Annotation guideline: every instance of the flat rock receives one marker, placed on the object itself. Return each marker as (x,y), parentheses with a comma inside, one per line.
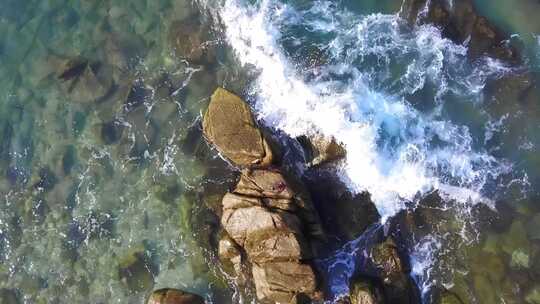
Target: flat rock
(229,125)
(284,282)
(264,183)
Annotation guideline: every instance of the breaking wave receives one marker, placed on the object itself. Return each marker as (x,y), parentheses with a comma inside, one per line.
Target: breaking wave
(377,87)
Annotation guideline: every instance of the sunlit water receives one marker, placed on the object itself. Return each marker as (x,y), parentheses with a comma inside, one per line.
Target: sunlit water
(104,201)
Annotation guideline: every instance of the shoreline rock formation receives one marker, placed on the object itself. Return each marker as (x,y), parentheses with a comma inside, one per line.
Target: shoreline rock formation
(268,224)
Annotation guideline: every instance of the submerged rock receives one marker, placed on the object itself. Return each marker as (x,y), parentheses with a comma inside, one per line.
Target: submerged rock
(449,298)
(85,81)
(174,296)
(8,296)
(190,40)
(533,296)
(461,23)
(229,125)
(137,271)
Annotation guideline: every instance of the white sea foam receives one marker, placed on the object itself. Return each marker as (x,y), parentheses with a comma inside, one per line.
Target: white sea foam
(390,145)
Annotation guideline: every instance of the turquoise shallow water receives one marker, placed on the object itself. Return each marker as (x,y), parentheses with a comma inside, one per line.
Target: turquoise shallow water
(105,176)
(98,197)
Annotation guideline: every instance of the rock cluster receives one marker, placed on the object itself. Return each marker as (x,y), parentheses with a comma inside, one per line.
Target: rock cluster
(390,281)
(268,224)
(461,23)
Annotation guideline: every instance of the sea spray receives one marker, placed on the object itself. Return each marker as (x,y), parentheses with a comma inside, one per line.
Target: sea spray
(381,92)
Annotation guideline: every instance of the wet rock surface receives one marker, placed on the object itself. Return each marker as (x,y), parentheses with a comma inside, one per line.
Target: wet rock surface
(268,223)
(261,217)
(461,23)
(174,296)
(365,291)
(344,215)
(190,40)
(320,149)
(229,125)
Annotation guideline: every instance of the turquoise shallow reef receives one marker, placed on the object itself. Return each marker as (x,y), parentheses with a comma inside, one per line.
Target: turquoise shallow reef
(107,186)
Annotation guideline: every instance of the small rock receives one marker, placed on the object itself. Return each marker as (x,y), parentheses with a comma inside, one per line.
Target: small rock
(386,257)
(174,296)
(533,296)
(137,271)
(8,296)
(398,286)
(364,291)
(229,125)
(320,149)
(111,132)
(228,249)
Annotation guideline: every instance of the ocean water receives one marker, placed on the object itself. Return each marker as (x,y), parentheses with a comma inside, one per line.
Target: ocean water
(106,181)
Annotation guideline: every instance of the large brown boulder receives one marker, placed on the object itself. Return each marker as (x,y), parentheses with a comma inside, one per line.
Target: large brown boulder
(174,296)
(85,81)
(229,125)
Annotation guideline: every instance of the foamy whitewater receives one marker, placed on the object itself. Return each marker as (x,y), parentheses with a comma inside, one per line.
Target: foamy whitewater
(393,150)
(364,92)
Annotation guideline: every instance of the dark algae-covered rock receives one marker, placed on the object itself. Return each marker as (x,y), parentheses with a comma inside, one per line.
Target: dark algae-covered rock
(393,271)
(461,23)
(85,81)
(174,296)
(229,125)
